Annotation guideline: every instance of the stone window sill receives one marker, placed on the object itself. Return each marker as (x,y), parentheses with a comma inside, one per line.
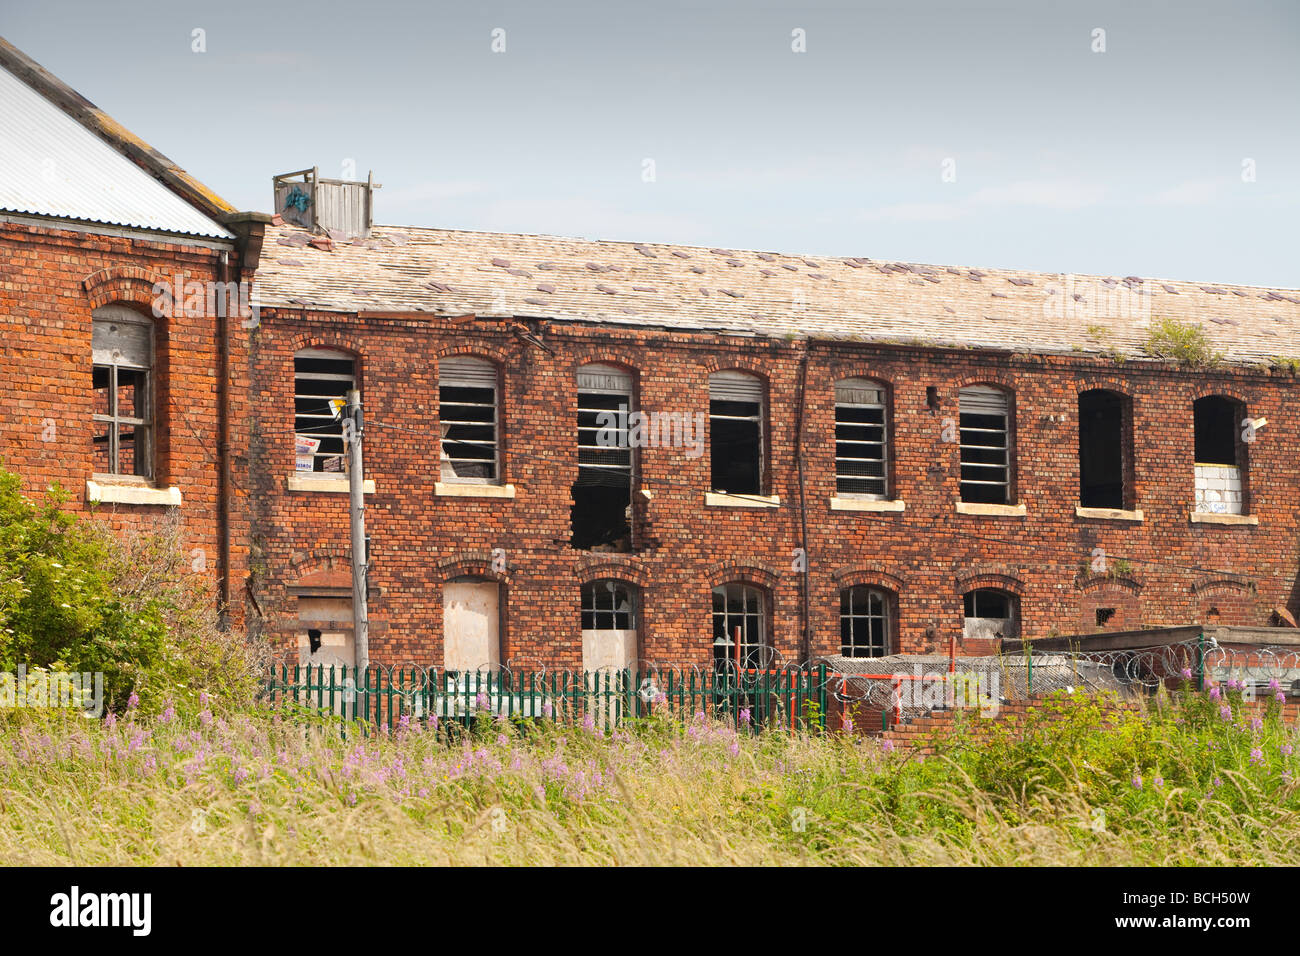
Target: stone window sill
(1210,517)
(1109,514)
(991,511)
(132,494)
(454,489)
(865,504)
(333,484)
(715,499)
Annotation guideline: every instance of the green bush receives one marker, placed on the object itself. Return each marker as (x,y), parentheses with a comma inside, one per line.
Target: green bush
(1185,342)
(74,597)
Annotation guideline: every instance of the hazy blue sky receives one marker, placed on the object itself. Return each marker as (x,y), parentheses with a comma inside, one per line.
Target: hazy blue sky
(1123,162)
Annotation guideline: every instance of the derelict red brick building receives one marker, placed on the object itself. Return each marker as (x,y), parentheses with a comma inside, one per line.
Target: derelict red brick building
(894,456)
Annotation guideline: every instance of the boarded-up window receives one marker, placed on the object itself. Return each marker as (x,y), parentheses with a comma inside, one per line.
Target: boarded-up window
(608,626)
(325,633)
(991,613)
(861,447)
(322,379)
(736,415)
(985,445)
(1220,463)
(471,625)
(122,353)
(468,415)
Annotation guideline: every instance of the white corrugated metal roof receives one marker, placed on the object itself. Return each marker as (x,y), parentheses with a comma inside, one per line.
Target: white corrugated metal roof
(51,165)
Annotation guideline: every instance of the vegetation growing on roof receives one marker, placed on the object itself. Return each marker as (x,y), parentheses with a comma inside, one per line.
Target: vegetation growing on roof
(1184,342)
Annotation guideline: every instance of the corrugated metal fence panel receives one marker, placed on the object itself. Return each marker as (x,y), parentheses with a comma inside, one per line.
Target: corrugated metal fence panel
(51,165)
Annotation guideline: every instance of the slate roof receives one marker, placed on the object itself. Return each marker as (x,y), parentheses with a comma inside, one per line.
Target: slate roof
(450,272)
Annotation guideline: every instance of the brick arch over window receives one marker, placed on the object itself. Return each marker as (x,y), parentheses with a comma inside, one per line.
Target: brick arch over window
(471,564)
(488,353)
(595,355)
(318,339)
(324,567)
(1101,582)
(617,566)
(1089,381)
(1219,390)
(838,371)
(735,363)
(728,572)
(852,575)
(995,577)
(1209,584)
(126,284)
(990,377)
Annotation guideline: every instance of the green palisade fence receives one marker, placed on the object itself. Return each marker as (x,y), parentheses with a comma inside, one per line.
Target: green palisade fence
(787,699)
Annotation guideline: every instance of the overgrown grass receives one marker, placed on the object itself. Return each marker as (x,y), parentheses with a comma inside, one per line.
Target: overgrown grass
(1182,783)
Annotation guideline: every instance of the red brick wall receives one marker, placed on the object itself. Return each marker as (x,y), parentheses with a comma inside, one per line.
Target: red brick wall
(50,281)
(929,554)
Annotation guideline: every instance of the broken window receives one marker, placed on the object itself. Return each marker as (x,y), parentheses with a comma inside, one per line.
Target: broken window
(608,605)
(736,432)
(861,450)
(1103,449)
(739,625)
(322,379)
(468,414)
(985,445)
(864,622)
(122,354)
(600,516)
(1220,455)
(990,613)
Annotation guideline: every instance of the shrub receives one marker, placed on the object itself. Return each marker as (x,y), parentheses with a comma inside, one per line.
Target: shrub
(1185,342)
(75,598)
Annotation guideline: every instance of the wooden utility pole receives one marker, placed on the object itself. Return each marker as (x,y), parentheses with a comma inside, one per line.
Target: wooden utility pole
(352,427)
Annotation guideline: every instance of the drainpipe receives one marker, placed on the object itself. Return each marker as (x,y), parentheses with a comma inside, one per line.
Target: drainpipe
(223,449)
(806,640)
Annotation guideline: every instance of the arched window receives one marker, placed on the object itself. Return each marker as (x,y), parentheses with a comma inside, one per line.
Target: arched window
(736,416)
(739,625)
(1105,449)
(122,346)
(861,439)
(469,412)
(991,613)
(986,457)
(864,622)
(1220,455)
(322,379)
